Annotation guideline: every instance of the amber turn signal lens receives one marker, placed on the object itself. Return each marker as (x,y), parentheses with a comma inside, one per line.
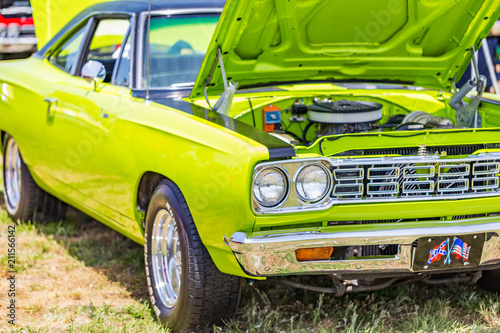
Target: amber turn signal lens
(318,253)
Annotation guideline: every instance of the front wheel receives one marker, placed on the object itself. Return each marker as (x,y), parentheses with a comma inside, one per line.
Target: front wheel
(187,290)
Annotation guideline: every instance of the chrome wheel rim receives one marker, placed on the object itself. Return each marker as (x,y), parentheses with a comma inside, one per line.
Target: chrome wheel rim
(12,176)
(166,258)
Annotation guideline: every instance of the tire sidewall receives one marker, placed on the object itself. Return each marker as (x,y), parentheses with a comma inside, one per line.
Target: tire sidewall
(164,198)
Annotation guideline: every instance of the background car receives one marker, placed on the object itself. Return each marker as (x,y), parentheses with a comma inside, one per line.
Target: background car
(17,31)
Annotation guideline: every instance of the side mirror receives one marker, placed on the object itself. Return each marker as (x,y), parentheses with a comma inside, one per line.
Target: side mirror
(95,71)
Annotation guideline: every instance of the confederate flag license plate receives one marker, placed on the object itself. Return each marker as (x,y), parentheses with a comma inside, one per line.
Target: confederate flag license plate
(446,252)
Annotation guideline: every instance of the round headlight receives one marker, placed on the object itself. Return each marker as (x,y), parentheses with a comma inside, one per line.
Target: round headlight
(312,183)
(270,187)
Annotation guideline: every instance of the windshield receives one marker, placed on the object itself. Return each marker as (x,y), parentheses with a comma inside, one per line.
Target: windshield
(177,48)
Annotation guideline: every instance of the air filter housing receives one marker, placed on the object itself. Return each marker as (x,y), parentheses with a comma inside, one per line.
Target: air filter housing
(344,112)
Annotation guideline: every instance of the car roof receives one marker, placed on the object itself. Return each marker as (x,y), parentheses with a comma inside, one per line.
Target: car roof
(130,7)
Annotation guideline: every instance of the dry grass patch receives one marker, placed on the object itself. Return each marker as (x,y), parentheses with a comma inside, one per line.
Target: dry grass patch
(60,288)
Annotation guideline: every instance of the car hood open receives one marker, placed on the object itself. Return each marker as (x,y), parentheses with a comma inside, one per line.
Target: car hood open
(424,43)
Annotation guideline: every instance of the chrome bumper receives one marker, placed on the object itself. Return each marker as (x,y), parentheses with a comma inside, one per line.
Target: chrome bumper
(273,253)
(17,45)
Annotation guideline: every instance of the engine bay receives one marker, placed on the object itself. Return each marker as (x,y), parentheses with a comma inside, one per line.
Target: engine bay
(302,120)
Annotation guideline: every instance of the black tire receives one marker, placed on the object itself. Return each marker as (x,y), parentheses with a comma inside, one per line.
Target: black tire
(206,296)
(34,203)
(490,281)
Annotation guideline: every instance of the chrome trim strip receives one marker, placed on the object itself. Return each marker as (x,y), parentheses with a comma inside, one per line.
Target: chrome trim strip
(390,173)
(442,183)
(406,159)
(359,190)
(373,237)
(424,198)
(430,183)
(348,201)
(186,11)
(393,188)
(338,177)
(496,169)
(431,168)
(486,186)
(465,172)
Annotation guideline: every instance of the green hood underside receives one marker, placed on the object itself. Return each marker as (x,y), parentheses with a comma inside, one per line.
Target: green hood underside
(424,43)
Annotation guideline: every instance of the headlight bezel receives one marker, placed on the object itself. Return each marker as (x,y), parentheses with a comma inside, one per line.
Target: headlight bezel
(292,202)
(258,171)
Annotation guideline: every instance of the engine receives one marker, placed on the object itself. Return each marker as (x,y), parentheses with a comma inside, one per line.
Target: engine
(325,117)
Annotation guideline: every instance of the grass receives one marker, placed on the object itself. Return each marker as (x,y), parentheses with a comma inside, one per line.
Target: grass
(80,276)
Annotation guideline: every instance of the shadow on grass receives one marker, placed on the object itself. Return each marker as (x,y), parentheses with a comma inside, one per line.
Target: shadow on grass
(118,258)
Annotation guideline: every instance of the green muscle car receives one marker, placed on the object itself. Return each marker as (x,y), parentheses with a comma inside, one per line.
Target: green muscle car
(255,139)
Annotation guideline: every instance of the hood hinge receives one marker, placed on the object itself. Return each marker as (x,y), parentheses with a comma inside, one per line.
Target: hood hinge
(467,114)
(223,105)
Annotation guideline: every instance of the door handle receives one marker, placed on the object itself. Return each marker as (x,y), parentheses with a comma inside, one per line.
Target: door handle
(50,101)
(104,114)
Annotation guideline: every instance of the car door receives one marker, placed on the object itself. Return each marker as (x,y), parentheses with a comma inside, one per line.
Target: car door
(79,133)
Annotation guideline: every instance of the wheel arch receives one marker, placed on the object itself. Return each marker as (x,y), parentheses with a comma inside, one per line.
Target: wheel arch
(147,184)
(2,138)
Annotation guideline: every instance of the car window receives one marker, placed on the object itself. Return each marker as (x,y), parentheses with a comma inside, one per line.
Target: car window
(106,43)
(65,57)
(123,71)
(177,48)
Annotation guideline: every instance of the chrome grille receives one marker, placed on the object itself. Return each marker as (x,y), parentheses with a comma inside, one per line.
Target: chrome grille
(390,179)
(415,178)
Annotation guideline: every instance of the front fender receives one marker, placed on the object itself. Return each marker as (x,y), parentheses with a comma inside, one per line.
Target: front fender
(211,165)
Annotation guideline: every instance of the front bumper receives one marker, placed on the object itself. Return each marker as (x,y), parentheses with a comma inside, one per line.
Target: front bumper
(273,253)
(18,44)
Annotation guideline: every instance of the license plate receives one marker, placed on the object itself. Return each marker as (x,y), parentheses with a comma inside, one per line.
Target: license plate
(448,252)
